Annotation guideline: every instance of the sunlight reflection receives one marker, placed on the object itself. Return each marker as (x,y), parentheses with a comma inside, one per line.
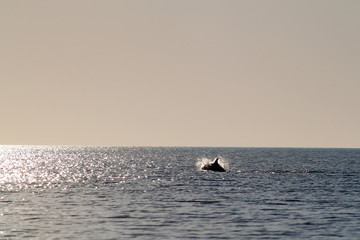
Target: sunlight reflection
(44,167)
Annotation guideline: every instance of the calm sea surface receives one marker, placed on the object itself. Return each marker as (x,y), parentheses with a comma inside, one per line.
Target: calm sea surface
(159,193)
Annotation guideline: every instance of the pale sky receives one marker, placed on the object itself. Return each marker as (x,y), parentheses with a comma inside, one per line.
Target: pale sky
(279,73)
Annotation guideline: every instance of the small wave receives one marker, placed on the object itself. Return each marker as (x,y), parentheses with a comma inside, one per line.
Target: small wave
(120,216)
(197,201)
(278,171)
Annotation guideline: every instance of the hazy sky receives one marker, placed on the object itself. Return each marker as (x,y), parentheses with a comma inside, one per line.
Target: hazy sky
(280,73)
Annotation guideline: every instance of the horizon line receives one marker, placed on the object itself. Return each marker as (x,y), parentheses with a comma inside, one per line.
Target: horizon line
(166,146)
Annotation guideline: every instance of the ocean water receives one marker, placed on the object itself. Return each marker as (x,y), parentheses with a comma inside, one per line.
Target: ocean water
(160,193)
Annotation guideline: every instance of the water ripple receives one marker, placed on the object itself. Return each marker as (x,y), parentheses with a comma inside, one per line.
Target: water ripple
(158,193)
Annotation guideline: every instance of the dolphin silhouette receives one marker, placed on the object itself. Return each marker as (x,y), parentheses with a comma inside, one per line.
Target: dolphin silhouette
(214,166)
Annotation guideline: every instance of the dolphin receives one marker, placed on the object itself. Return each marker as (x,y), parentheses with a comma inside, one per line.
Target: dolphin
(214,166)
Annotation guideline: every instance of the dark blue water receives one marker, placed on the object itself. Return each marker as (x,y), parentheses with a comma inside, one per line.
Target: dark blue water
(159,193)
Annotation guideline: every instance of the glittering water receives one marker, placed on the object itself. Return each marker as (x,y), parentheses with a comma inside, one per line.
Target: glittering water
(159,193)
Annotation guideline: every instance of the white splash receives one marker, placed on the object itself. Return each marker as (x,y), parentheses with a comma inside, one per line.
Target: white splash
(201,162)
